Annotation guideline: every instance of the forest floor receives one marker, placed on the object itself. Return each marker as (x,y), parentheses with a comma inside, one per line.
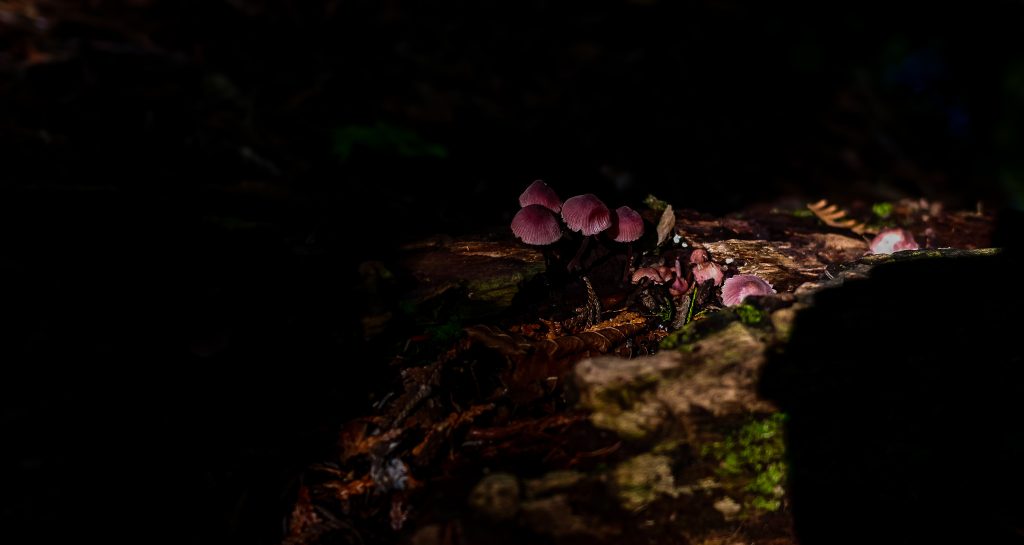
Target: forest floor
(226,206)
(533,405)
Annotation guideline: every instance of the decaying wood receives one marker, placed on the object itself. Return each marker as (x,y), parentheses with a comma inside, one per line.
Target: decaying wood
(780,263)
(489,271)
(568,389)
(716,376)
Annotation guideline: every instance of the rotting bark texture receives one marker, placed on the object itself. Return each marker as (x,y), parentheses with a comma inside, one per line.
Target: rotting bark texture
(542,426)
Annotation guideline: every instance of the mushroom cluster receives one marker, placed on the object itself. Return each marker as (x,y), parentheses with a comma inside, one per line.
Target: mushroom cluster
(702,270)
(536,222)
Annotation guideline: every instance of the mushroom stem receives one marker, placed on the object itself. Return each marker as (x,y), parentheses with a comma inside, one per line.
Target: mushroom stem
(627,275)
(552,262)
(554,275)
(574,265)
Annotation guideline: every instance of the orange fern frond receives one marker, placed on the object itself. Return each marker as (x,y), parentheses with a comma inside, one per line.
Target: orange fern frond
(834,216)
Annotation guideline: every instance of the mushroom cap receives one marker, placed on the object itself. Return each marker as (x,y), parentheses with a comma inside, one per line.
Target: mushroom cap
(702,272)
(741,286)
(586,214)
(657,275)
(628,226)
(647,272)
(698,255)
(540,193)
(536,225)
(893,240)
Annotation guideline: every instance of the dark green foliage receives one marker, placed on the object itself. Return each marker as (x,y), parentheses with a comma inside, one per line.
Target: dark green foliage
(446,332)
(384,139)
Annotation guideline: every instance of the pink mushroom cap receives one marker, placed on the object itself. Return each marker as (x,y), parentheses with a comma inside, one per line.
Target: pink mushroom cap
(741,286)
(536,225)
(702,272)
(699,255)
(628,225)
(586,214)
(658,275)
(893,240)
(650,273)
(540,193)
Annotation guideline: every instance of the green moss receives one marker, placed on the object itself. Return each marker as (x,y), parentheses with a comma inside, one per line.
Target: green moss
(764,504)
(654,203)
(749,315)
(882,209)
(803,213)
(708,324)
(751,462)
(501,289)
(946,253)
(681,339)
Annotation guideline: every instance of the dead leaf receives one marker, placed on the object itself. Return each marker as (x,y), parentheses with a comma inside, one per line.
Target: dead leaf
(665,224)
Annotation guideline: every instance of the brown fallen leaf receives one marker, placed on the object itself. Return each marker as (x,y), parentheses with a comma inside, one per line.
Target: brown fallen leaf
(665,224)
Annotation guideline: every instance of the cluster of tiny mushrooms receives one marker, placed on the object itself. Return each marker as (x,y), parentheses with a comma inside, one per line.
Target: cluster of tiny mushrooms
(537,224)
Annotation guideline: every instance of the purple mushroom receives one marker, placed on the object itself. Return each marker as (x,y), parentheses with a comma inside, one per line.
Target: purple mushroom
(540,193)
(536,225)
(627,227)
(698,255)
(585,214)
(741,286)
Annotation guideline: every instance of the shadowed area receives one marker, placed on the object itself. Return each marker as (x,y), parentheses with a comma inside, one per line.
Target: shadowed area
(903,395)
(203,203)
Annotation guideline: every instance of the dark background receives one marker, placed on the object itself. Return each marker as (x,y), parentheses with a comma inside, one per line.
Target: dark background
(189,188)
